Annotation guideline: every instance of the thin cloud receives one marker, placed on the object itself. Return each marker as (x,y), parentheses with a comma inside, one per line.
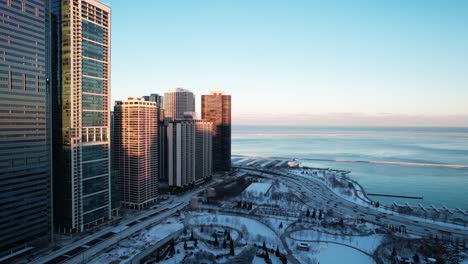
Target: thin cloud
(350,119)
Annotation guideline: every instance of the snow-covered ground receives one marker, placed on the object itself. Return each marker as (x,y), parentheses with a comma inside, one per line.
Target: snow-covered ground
(253,230)
(325,253)
(274,223)
(177,258)
(129,248)
(207,233)
(258,188)
(260,260)
(329,178)
(366,243)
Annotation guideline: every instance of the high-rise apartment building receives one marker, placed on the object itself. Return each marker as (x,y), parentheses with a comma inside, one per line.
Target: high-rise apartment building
(216,107)
(162,139)
(181,153)
(25,154)
(114,183)
(81,82)
(203,150)
(136,151)
(177,102)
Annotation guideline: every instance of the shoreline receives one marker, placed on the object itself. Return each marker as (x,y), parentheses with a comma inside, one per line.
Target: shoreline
(387,200)
(382,162)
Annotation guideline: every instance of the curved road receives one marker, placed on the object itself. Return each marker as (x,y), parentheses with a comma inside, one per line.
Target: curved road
(316,194)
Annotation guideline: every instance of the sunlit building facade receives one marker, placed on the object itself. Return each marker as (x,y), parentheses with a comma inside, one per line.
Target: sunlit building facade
(136,151)
(177,102)
(216,107)
(203,150)
(81,67)
(25,153)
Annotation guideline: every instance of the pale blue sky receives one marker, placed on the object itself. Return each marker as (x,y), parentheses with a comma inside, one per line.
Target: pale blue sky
(298,57)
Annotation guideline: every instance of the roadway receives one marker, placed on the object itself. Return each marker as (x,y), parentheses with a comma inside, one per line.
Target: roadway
(84,249)
(316,194)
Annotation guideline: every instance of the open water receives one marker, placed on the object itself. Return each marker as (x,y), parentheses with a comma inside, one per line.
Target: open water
(427,162)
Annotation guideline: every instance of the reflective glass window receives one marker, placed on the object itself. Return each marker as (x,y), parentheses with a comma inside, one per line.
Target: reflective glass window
(94,185)
(92,102)
(92,85)
(92,118)
(94,201)
(91,169)
(93,152)
(93,68)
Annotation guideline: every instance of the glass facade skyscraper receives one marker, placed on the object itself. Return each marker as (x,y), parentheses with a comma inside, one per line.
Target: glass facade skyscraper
(25,155)
(81,40)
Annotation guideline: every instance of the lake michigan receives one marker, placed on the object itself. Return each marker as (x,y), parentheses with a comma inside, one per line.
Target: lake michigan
(417,161)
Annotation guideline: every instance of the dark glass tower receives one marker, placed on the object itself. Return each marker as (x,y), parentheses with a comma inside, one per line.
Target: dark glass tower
(25,156)
(216,107)
(81,114)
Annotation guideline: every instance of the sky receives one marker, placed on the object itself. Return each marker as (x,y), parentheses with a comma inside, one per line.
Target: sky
(300,62)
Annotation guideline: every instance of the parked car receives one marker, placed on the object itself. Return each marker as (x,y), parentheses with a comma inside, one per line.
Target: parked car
(303,246)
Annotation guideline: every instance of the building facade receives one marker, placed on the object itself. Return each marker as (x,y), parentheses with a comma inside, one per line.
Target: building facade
(177,102)
(181,153)
(136,151)
(25,154)
(216,107)
(81,78)
(203,150)
(162,139)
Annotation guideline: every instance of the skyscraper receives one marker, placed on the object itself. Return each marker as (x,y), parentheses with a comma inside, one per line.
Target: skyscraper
(203,150)
(81,60)
(162,127)
(181,153)
(216,107)
(25,154)
(136,151)
(177,102)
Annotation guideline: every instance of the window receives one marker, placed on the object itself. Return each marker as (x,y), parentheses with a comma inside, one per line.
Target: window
(24,81)
(10,80)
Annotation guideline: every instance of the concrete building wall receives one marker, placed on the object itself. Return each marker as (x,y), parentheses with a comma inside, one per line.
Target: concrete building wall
(181,153)
(177,102)
(203,150)
(136,151)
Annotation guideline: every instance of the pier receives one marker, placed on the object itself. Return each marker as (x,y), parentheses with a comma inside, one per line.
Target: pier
(435,209)
(396,196)
(422,207)
(461,211)
(448,210)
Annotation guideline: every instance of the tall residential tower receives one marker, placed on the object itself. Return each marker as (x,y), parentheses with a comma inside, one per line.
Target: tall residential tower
(81,60)
(203,150)
(216,107)
(177,102)
(25,154)
(181,153)
(136,151)
(162,139)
